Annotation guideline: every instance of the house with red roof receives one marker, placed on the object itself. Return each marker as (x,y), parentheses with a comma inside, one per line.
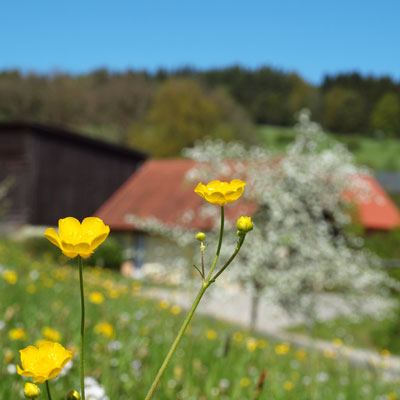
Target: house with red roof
(159,190)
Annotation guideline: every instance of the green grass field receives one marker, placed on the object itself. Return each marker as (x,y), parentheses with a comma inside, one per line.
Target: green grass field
(378,154)
(214,361)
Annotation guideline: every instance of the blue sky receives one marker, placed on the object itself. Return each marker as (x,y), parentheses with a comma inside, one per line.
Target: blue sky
(310,37)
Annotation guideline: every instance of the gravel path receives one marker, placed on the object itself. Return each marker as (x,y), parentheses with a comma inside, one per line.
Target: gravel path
(234,305)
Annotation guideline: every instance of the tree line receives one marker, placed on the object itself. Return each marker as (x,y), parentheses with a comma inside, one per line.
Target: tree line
(174,108)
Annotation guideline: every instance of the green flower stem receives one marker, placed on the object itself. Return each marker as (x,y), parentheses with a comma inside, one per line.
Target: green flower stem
(231,258)
(176,341)
(48,390)
(221,235)
(82,350)
(189,317)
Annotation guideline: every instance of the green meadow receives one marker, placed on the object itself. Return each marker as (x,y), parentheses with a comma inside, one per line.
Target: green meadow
(128,335)
(380,154)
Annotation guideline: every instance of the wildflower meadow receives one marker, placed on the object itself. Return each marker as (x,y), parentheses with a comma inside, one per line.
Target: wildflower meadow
(129,334)
(124,338)
(77,332)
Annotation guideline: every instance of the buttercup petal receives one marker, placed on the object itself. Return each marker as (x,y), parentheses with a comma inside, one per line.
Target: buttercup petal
(69,254)
(22,372)
(78,248)
(216,198)
(29,356)
(51,235)
(54,373)
(39,379)
(237,183)
(96,230)
(69,230)
(86,255)
(200,188)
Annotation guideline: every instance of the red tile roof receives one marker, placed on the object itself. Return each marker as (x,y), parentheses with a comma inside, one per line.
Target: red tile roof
(376,210)
(158,189)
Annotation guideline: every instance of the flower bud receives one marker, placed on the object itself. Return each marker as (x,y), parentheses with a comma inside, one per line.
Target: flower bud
(73,395)
(201,236)
(244,224)
(31,391)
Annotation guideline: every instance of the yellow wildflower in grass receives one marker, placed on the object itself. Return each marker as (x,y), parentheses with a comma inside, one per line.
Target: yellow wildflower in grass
(105,329)
(238,336)
(178,371)
(244,382)
(300,354)
(10,276)
(51,334)
(96,298)
(288,386)
(330,353)
(282,349)
(211,334)
(17,334)
(385,353)
(43,363)
(251,344)
(31,391)
(31,289)
(74,238)
(337,342)
(8,356)
(40,342)
(392,396)
(164,304)
(175,310)
(262,344)
(217,192)
(114,293)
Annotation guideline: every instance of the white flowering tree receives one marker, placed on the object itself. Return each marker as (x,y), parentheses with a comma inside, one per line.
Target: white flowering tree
(298,247)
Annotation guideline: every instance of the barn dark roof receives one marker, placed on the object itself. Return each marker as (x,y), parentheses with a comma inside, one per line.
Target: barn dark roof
(56,172)
(54,131)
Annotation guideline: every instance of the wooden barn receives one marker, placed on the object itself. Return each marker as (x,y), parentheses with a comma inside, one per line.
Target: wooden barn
(56,173)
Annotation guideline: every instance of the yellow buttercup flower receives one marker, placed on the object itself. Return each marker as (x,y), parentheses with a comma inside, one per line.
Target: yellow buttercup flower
(17,334)
(288,386)
(51,334)
(31,391)
(164,304)
(10,276)
(282,349)
(96,298)
(105,329)
(211,334)
(217,192)
(74,238)
(251,344)
(175,309)
(301,354)
(43,363)
(244,382)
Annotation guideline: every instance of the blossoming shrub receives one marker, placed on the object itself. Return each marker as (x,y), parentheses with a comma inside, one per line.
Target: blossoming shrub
(299,248)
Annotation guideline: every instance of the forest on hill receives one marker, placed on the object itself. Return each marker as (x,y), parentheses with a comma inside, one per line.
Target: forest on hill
(167,110)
